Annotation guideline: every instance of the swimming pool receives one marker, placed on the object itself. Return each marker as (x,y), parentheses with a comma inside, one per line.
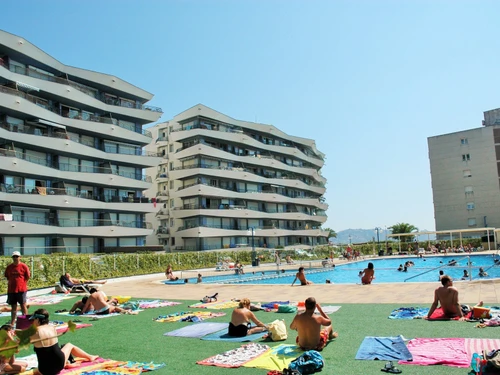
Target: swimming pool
(385,271)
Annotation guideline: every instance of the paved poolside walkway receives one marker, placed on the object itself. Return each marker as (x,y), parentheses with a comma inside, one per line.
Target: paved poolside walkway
(150,286)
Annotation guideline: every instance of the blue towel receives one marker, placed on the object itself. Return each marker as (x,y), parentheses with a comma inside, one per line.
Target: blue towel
(384,349)
(409,313)
(198,330)
(270,305)
(223,336)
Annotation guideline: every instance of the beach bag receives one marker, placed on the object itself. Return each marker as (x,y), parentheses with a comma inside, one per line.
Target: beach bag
(277,330)
(287,309)
(308,363)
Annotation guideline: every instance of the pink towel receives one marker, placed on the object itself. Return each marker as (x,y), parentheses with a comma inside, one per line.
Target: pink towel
(478,345)
(449,352)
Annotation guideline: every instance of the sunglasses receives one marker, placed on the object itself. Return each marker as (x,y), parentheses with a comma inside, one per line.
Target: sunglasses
(15,256)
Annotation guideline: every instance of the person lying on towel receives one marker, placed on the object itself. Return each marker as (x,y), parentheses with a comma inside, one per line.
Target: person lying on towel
(447,296)
(240,325)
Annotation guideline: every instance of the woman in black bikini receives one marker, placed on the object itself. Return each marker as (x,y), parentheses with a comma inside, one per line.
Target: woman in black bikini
(240,325)
(51,357)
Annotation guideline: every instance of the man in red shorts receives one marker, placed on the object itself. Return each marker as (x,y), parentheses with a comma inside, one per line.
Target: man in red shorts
(17,274)
(308,325)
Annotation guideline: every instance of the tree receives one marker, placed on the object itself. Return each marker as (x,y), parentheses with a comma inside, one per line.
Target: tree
(401,228)
(331,233)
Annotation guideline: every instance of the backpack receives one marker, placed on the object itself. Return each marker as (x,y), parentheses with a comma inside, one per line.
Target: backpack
(277,330)
(308,363)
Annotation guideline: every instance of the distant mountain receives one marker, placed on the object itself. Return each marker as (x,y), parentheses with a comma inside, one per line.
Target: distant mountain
(367,235)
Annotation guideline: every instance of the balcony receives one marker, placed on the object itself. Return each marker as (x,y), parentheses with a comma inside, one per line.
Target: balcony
(66,167)
(75,114)
(21,189)
(94,93)
(80,222)
(61,134)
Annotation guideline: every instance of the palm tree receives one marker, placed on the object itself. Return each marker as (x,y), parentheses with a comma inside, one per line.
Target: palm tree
(331,233)
(401,228)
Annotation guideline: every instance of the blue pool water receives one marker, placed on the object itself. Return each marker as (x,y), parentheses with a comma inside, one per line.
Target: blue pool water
(385,271)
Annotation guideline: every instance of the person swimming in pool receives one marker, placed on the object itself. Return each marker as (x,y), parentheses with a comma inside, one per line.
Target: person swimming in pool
(241,319)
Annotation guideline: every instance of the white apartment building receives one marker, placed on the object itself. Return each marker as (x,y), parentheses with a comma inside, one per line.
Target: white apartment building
(465,174)
(221,179)
(71,155)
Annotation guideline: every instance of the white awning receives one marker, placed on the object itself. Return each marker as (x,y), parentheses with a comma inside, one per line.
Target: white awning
(26,86)
(53,124)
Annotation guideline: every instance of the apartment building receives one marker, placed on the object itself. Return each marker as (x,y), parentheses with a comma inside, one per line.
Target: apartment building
(71,155)
(223,183)
(465,174)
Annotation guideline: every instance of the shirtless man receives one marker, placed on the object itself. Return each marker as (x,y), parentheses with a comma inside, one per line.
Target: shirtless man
(240,321)
(447,296)
(308,325)
(79,305)
(101,307)
(302,277)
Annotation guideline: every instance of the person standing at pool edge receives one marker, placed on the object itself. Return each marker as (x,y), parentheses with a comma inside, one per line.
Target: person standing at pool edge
(17,275)
(368,275)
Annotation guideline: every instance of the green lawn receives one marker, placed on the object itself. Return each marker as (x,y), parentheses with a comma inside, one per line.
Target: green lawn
(139,338)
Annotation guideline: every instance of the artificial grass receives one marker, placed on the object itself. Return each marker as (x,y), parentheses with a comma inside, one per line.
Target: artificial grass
(139,338)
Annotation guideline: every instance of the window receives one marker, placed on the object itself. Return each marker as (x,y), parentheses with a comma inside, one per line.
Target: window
(471,222)
(171,203)
(171,184)
(470,205)
(171,166)
(467,173)
(464,141)
(171,148)
(469,191)
(171,223)
(465,157)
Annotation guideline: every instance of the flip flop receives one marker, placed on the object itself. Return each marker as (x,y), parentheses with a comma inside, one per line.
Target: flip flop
(389,368)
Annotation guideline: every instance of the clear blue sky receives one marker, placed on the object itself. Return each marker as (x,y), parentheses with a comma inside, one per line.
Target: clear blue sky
(368,80)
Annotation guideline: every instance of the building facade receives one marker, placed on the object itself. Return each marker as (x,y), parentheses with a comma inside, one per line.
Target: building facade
(71,155)
(225,183)
(465,174)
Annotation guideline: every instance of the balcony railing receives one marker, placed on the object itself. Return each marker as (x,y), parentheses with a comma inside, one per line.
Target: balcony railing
(80,222)
(245,228)
(242,169)
(194,127)
(72,192)
(75,116)
(94,93)
(67,167)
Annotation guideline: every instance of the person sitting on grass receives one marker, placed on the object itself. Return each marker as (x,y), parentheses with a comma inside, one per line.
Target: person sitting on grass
(308,325)
(79,305)
(10,365)
(240,325)
(52,359)
(99,302)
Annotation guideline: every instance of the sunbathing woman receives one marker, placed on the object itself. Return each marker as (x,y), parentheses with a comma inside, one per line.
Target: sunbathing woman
(52,358)
(169,273)
(240,321)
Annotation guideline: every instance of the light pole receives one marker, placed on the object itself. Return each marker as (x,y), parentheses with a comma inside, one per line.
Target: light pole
(254,253)
(378,229)
(349,239)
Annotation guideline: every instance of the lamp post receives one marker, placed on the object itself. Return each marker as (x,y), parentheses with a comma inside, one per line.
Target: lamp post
(254,253)
(378,229)
(349,239)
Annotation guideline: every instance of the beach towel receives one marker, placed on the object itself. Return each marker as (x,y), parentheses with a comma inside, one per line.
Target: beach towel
(409,313)
(479,345)
(156,303)
(223,336)
(236,357)
(90,315)
(270,305)
(439,314)
(144,366)
(197,330)
(48,299)
(218,305)
(384,349)
(61,328)
(438,351)
(190,316)
(278,358)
